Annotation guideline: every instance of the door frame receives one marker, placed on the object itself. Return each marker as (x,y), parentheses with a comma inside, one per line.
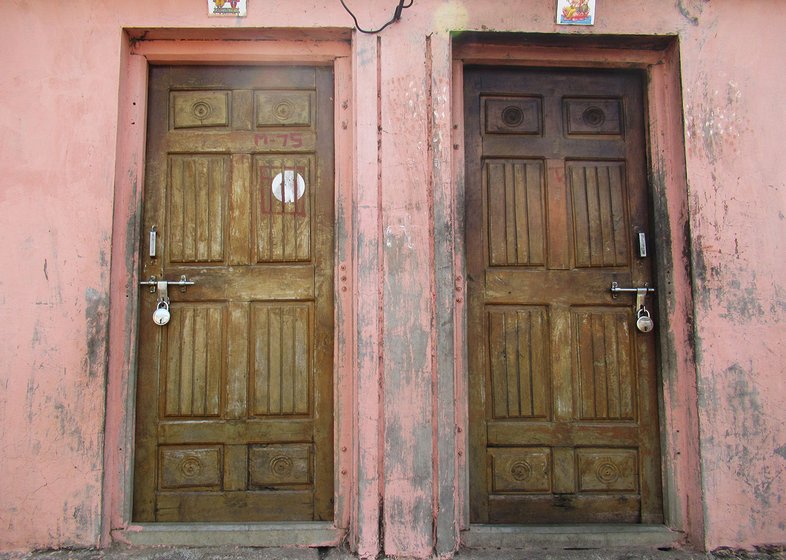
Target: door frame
(139,49)
(658,57)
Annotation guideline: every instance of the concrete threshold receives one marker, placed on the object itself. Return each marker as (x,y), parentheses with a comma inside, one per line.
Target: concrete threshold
(570,537)
(295,534)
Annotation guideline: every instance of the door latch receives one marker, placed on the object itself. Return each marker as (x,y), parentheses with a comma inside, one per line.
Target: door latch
(643,320)
(162,315)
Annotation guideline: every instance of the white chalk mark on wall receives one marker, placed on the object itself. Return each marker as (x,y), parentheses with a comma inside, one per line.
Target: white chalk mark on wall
(403,230)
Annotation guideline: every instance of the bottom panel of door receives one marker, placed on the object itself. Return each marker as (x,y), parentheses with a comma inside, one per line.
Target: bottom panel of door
(235,506)
(262,482)
(563,485)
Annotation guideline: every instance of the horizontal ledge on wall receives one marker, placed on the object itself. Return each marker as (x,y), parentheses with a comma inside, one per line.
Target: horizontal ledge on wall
(238,46)
(304,534)
(236,52)
(231,33)
(540,49)
(570,536)
(565,39)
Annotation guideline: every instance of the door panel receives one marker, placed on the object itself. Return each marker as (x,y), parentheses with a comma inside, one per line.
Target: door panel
(563,402)
(234,394)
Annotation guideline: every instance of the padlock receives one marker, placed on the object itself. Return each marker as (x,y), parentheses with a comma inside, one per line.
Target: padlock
(643,320)
(161,315)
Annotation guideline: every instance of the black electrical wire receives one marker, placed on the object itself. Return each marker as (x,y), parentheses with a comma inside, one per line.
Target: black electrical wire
(395,18)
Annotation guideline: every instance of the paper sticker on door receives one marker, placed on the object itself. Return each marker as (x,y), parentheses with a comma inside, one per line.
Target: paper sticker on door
(288,186)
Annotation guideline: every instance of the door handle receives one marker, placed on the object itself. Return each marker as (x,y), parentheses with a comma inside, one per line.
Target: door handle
(161,315)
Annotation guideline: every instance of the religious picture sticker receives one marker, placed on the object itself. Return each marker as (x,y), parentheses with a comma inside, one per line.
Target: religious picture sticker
(576,12)
(226,8)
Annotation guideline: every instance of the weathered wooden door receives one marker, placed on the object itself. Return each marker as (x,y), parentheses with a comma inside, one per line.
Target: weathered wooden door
(563,391)
(234,394)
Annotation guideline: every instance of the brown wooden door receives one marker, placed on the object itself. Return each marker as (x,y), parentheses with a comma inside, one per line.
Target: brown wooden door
(234,395)
(563,392)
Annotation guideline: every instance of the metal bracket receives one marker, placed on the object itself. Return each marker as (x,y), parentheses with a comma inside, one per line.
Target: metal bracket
(153,237)
(642,245)
(163,294)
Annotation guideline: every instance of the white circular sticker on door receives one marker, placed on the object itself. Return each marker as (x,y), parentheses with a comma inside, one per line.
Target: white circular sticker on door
(284,186)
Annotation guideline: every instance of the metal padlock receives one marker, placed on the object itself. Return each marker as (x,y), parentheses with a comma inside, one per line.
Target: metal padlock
(161,315)
(643,320)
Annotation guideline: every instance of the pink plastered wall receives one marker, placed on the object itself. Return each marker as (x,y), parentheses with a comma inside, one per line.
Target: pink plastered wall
(734,117)
(59,158)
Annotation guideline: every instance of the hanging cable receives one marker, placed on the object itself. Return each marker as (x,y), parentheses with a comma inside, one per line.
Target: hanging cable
(396,16)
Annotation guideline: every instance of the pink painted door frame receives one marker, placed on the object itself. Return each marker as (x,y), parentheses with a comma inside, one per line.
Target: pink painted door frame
(669,197)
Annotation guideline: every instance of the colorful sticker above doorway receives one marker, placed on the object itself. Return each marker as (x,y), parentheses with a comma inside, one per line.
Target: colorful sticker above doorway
(576,12)
(223,8)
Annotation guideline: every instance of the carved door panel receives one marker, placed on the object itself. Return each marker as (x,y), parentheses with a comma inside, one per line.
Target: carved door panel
(234,394)
(563,390)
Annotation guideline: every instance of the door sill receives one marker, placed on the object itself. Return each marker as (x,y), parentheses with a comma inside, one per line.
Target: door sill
(578,536)
(302,534)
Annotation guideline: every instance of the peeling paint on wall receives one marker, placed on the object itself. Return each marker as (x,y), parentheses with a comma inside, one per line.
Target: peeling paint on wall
(96,318)
(716,120)
(735,439)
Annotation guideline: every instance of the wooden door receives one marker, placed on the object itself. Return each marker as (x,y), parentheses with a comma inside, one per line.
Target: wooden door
(563,390)
(234,395)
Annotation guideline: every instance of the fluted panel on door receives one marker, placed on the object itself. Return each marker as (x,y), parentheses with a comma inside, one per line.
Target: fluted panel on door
(281,348)
(600,224)
(604,364)
(195,355)
(518,362)
(282,208)
(515,212)
(197,190)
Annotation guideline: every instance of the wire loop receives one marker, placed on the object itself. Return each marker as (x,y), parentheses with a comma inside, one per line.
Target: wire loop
(396,16)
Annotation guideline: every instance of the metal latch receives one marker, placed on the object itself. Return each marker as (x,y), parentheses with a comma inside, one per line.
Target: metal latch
(643,320)
(161,315)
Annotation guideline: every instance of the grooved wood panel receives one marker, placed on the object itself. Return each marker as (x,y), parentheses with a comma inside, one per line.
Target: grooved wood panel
(280,358)
(195,357)
(518,356)
(604,364)
(197,191)
(598,196)
(515,208)
(282,195)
